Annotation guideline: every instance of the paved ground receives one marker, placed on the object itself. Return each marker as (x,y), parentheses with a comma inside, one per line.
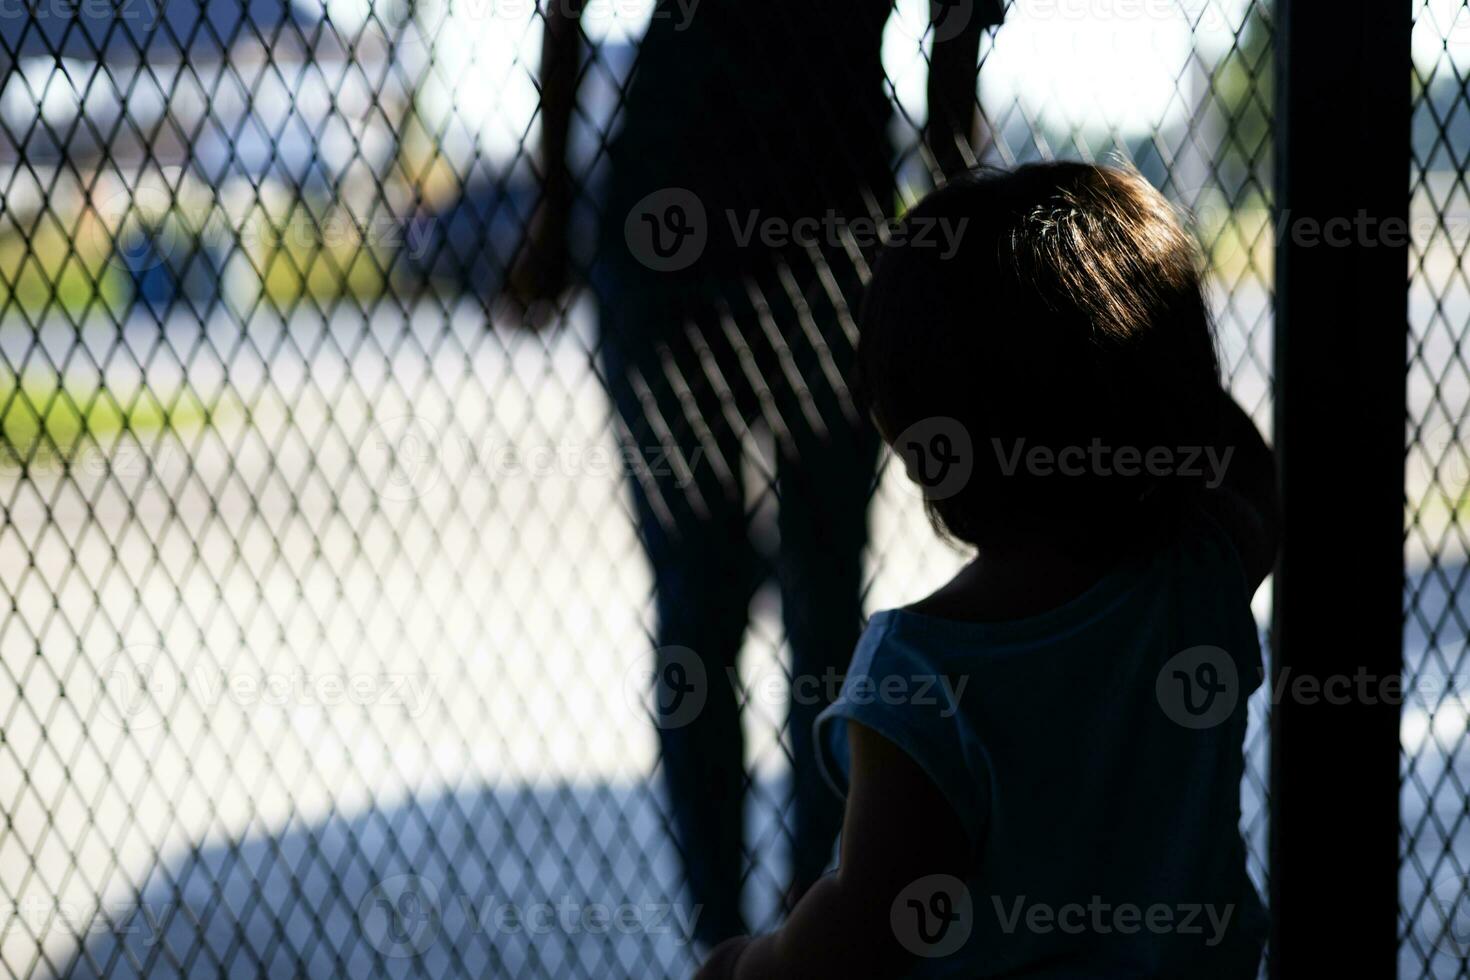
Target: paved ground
(483,602)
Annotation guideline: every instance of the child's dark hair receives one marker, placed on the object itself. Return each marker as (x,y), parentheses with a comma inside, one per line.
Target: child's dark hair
(1056,306)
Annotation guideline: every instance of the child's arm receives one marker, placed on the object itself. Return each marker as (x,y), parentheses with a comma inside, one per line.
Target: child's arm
(1245,501)
(898,828)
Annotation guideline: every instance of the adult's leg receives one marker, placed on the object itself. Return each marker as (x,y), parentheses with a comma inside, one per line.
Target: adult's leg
(683,470)
(823,520)
(825,474)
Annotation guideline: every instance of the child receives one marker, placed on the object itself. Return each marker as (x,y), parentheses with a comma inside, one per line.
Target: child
(1042,760)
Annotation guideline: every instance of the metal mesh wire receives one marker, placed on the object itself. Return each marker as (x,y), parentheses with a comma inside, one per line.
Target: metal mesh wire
(1435,941)
(322,591)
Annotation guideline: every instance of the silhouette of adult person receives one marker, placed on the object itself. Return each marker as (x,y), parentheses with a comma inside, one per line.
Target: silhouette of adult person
(745,182)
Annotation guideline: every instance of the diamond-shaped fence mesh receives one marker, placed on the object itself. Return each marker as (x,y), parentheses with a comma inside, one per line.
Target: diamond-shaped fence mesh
(326,619)
(1435,864)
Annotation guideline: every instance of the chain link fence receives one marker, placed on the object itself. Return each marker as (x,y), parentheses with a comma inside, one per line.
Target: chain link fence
(1435,849)
(326,625)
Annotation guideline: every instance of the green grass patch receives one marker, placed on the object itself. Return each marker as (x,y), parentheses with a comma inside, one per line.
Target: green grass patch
(46,273)
(43,413)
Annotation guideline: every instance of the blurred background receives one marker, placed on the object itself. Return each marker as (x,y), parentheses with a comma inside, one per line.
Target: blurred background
(314,576)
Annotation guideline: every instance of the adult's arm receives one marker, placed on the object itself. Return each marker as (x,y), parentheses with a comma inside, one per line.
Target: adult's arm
(541,268)
(951,132)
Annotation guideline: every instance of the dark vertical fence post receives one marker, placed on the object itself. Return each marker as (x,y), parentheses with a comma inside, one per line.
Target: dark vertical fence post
(1342,124)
